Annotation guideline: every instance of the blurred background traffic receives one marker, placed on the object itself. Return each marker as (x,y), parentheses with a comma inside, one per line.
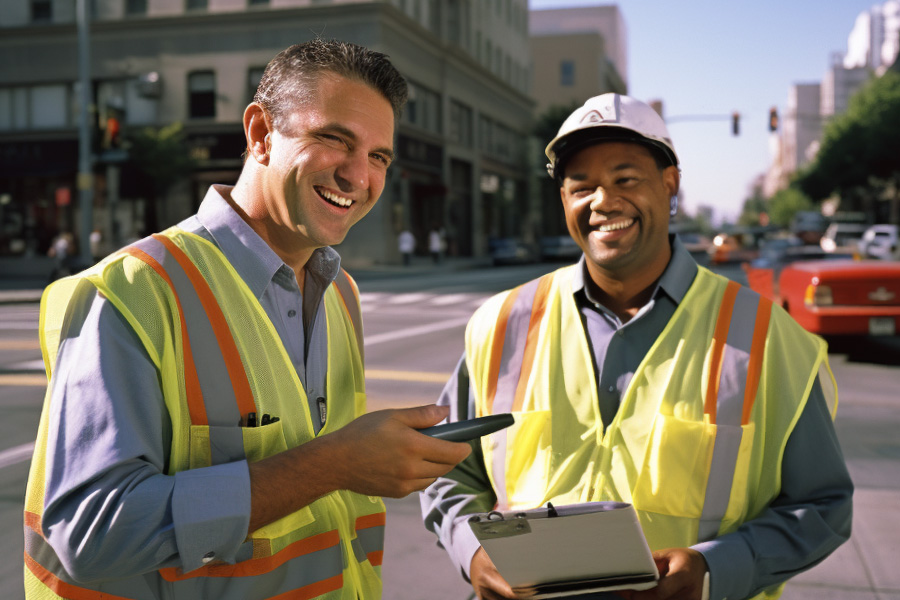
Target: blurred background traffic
(116,115)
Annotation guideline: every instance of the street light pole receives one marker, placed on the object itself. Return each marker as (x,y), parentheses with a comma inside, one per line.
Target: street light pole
(85,166)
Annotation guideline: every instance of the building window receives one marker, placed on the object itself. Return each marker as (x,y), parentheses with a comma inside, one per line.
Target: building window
(41,11)
(460,124)
(423,108)
(197,5)
(567,73)
(202,91)
(134,8)
(254,76)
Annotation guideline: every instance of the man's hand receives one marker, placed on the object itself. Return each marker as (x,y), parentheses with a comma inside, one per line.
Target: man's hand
(486,580)
(681,572)
(382,454)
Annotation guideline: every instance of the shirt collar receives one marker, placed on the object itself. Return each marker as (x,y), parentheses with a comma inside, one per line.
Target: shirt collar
(675,280)
(255,262)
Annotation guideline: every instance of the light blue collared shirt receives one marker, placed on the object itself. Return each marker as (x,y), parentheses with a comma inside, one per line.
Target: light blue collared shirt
(110,509)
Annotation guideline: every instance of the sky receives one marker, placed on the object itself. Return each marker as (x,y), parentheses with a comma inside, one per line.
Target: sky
(715,57)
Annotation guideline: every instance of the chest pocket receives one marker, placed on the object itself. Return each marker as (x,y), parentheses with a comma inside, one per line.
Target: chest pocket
(708,460)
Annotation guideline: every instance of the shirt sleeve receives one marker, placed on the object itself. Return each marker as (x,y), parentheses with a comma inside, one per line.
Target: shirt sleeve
(808,520)
(110,509)
(448,502)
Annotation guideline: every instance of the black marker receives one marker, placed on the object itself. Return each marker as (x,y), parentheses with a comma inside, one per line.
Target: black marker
(463,431)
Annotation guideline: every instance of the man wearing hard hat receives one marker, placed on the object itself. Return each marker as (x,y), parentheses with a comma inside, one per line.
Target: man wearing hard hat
(638,376)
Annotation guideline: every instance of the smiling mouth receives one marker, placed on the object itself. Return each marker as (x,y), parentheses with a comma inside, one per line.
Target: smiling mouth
(607,227)
(333,198)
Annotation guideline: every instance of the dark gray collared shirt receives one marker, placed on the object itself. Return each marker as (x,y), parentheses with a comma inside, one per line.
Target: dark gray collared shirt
(807,521)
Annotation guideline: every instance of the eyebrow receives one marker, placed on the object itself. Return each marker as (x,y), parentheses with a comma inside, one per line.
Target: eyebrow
(348,133)
(621,167)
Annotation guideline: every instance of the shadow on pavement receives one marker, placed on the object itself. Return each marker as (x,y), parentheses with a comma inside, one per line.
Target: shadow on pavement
(867,349)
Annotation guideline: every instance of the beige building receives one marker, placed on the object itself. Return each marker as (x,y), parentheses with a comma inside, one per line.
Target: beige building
(197,62)
(577,53)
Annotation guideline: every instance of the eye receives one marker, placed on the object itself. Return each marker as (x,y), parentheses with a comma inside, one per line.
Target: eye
(382,159)
(626,181)
(334,139)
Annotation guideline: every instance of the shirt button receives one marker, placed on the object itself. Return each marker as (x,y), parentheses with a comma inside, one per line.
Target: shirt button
(612,388)
(292,313)
(208,557)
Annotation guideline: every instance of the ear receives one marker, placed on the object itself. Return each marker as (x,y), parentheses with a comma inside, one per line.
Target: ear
(672,179)
(257,130)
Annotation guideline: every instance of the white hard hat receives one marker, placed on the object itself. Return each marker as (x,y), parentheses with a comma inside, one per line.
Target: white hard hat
(609,117)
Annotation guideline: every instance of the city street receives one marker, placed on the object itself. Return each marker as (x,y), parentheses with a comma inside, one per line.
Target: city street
(414,337)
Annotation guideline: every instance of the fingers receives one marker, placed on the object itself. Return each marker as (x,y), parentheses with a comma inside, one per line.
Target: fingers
(420,417)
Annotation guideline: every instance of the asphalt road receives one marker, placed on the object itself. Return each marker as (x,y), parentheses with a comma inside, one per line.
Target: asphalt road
(414,327)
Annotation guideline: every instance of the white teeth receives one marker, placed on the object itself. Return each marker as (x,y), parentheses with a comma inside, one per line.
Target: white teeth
(339,200)
(615,226)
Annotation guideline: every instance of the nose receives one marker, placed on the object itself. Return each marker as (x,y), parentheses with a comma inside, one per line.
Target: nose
(353,172)
(599,199)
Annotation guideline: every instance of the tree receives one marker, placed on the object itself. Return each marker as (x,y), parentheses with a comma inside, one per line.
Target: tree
(858,155)
(786,203)
(162,157)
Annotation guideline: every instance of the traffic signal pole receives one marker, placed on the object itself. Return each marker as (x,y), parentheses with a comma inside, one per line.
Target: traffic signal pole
(85,167)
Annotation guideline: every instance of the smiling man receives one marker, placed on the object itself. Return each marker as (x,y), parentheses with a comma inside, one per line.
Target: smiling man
(637,376)
(204,433)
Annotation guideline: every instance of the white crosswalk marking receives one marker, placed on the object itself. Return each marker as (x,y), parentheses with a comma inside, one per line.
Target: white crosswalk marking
(410,298)
(451,299)
(376,300)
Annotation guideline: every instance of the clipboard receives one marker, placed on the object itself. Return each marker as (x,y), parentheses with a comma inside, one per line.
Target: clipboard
(553,552)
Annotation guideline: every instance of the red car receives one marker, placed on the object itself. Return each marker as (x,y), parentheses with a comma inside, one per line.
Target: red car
(835,296)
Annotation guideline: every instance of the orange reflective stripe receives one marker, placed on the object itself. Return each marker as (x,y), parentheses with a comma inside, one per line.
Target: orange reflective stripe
(757,352)
(236,373)
(196,408)
(61,588)
(33,522)
(258,566)
(493,374)
(374,520)
(313,590)
(534,325)
(719,338)
(375,558)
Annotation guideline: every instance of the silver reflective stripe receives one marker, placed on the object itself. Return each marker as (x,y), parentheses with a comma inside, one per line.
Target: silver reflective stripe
(514,347)
(371,540)
(508,379)
(299,572)
(222,413)
(729,412)
(345,288)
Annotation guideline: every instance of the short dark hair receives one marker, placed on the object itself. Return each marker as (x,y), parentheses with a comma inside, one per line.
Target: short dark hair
(289,79)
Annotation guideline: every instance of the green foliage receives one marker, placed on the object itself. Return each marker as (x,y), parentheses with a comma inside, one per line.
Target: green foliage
(548,123)
(754,206)
(162,156)
(786,203)
(859,145)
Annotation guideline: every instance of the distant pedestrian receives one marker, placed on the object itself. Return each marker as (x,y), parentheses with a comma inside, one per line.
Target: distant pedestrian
(406,243)
(436,244)
(62,249)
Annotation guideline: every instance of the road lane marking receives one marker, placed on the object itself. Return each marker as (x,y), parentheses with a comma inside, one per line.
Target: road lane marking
(418,376)
(23,379)
(27,344)
(16,455)
(409,298)
(390,336)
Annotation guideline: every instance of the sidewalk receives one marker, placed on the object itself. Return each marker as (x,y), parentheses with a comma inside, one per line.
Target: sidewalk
(21,287)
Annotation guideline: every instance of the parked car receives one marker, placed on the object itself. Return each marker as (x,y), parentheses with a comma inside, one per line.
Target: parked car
(832,294)
(842,235)
(559,248)
(511,251)
(728,249)
(880,241)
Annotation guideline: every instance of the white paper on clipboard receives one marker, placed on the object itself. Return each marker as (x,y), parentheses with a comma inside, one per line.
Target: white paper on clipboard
(553,552)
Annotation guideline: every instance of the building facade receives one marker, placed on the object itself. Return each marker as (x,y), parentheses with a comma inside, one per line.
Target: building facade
(460,158)
(577,53)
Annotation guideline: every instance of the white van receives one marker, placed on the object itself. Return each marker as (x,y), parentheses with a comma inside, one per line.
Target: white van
(880,241)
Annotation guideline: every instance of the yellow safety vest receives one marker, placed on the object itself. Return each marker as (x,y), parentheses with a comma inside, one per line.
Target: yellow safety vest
(219,358)
(697,442)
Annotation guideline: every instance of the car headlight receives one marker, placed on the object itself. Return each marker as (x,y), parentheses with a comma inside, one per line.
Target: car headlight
(818,295)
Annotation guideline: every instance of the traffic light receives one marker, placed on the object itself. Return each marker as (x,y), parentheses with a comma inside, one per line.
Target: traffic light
(735,123)
(773,119)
